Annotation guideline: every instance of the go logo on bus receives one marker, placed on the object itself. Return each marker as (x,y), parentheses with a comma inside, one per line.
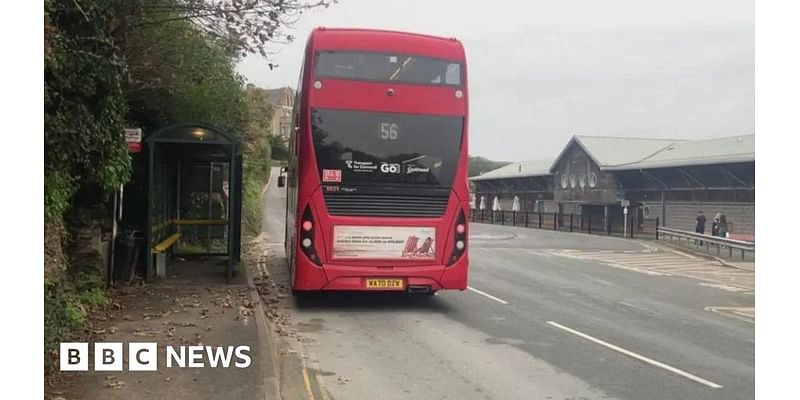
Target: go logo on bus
(387,168)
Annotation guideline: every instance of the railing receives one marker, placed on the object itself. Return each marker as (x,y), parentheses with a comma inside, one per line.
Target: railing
(696,240)
(615,225)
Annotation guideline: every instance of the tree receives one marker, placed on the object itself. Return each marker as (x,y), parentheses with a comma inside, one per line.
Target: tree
(479,165)
(257,155)
(85,106)
(111,64)
(280,148)
(181,74)
(245,26)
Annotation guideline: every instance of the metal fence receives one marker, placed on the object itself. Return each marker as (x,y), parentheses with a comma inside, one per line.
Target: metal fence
(590,224)
(707,242)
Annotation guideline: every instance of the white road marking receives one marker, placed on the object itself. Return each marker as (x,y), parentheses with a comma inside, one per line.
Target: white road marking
(639,270)
(492,237)
(482,293)
(687,255)
(746,314)
(723,286)
(638,356)
(670,264)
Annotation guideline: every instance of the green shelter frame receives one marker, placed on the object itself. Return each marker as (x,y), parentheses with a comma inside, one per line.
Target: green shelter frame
(194,196)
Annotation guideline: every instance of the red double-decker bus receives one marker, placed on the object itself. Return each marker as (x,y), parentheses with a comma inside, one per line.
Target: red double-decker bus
(377,193)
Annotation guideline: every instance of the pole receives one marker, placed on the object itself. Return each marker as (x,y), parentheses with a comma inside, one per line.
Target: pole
(110,277)
(150,203)
(178,204)
(555,221)
(625,222)
(526,219)
(657,221)
(570,222)
(210,189)
(540,219)
(589,217)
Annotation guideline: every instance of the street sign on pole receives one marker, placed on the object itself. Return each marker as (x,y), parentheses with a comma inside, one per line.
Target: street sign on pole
(133,137)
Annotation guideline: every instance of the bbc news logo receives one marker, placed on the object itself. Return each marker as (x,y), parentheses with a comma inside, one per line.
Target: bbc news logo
(143,356)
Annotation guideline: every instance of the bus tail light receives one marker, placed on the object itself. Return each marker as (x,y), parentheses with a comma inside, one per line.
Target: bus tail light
(460,239)
(307,237)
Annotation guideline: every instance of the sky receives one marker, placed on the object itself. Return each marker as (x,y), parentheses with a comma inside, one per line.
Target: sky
(543,71)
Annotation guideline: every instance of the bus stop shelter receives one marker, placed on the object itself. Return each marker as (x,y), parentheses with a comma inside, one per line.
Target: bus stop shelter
(194,197)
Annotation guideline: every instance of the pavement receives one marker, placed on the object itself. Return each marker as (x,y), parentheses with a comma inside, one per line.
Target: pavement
(193,306)
(549,315)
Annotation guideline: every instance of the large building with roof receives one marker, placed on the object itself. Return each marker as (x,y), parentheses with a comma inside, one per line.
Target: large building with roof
(661,178)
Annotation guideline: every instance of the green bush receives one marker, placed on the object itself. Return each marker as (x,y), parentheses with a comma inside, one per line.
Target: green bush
(66,309)
(63,318)
(256,172)
(280,148)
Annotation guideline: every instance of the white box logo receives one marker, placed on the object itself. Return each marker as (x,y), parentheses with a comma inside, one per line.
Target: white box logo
(74,356)
(142,356)
(108,356)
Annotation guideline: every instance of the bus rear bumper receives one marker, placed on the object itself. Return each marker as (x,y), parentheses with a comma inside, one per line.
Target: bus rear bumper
(335,276)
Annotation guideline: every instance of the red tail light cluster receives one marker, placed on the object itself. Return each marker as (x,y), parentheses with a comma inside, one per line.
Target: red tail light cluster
(307,237)
(460,239)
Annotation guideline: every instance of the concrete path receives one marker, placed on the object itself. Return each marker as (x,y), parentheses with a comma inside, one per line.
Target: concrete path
(194,306)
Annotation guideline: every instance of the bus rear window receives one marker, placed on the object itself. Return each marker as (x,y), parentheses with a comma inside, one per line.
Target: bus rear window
(384,67)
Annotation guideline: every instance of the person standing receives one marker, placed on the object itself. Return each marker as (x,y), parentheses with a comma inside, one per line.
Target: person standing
(700,226)
(715,225)
(722,226)
(700,223)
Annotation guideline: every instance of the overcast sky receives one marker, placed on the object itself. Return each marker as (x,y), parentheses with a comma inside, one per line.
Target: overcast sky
(542,71)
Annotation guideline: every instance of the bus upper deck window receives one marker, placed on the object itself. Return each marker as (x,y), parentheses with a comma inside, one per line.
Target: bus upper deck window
(453,75)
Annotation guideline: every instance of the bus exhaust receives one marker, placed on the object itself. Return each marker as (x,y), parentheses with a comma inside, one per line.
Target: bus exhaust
(419,289)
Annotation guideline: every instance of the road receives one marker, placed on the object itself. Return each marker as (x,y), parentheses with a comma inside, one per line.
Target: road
(549,315)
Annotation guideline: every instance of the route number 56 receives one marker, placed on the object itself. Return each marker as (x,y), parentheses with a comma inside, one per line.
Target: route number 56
(388,131)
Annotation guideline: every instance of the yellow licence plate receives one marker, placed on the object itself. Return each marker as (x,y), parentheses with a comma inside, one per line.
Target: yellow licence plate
(374,283)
